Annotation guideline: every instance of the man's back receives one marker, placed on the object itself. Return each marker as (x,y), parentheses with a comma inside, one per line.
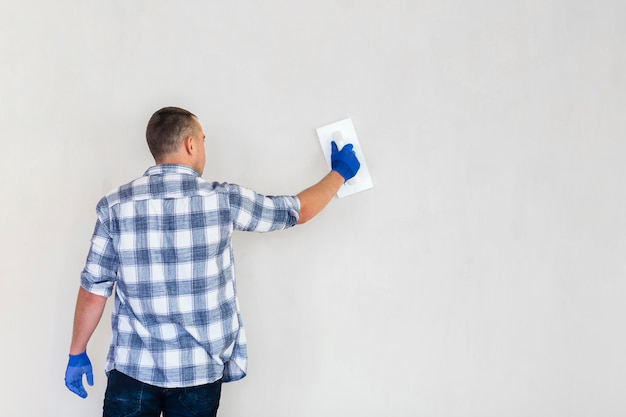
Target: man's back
(165,238)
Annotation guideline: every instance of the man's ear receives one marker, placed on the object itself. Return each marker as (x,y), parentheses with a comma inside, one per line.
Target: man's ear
(188,144)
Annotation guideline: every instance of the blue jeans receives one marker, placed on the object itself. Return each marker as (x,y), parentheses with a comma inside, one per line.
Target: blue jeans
(127,397)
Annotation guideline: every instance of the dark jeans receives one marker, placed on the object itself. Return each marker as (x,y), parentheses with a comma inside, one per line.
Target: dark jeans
(127,397)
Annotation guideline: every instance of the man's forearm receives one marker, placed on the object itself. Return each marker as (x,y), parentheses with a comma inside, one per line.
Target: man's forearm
(89,309)
(315,198)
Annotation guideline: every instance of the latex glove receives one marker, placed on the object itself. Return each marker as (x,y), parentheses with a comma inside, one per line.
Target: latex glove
(78,366)
(344,161)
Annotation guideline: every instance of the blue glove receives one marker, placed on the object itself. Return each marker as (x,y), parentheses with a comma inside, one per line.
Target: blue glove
(77,366)
(345,161)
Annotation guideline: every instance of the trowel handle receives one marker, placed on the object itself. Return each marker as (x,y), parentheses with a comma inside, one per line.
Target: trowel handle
(338,138)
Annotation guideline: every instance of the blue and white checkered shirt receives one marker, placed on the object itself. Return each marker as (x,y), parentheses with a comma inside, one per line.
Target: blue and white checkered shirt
(163,242)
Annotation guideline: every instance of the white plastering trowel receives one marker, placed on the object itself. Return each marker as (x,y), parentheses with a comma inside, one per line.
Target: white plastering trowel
(343,133)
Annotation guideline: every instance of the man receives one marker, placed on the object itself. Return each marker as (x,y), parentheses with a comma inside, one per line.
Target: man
(163,243)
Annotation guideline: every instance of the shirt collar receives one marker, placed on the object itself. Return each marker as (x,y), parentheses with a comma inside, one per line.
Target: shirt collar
(162,169)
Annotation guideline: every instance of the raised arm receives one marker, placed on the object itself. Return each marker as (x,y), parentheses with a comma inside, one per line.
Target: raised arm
(345,165)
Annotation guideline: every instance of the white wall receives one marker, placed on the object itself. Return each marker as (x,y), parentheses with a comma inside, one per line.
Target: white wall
(483,275)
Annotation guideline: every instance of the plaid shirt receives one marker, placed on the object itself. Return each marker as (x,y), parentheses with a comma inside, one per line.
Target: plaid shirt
(165,240)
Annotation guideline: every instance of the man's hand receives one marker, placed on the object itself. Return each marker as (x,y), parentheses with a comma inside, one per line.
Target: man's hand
(345,161)
(78,366)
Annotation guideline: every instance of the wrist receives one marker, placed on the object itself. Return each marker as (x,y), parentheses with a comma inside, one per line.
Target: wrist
(337,176)
(79,360)
(75,351)
(343,170)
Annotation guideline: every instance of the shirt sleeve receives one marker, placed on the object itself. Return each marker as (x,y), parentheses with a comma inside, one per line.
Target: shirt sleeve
(100,272)
(254,212)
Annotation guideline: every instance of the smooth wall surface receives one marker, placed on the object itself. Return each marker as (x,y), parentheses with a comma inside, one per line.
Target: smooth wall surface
(484,273)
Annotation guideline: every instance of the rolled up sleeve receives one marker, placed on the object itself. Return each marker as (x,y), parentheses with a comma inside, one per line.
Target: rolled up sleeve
(255,212)
(100,272)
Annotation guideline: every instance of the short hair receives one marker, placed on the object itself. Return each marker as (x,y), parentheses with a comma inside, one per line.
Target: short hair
(167,128)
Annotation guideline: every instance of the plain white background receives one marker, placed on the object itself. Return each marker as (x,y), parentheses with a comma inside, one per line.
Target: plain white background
(484,273)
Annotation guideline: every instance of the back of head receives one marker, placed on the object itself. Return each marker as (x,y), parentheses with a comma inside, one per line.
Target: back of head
(166,129)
